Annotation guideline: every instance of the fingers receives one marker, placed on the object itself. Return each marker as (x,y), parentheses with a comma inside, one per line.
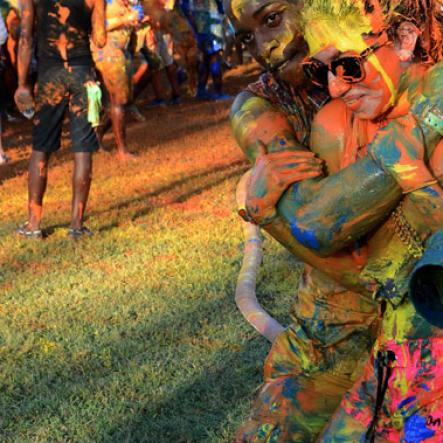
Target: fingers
(293,163)
(290,155)
(261,150)
(286,156)
(269,163)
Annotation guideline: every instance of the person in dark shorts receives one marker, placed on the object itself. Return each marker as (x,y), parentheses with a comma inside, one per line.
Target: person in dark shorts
(65,73)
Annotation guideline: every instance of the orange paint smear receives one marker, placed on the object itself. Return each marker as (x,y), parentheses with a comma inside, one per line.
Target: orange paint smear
(62,46)
(63,13)
(36,210)
(41,169)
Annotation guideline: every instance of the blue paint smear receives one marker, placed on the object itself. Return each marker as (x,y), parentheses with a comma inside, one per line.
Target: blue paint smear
(340,222)
(425,387)
(386,150)
(406,401)
(306,237)
(430,191)
(416,430)
(282,142)
(294,190)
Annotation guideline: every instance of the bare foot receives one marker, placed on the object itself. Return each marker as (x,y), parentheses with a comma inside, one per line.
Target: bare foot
(126,156)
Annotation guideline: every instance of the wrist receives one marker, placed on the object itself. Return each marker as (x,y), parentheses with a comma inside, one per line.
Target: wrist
(264,218)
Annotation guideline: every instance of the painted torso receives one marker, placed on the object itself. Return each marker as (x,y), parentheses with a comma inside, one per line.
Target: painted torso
(63,29)
(118,38)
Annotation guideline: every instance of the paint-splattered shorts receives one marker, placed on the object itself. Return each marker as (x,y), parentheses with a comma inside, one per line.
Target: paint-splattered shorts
(312,363)
(294,405)
(412,407)
(59,90)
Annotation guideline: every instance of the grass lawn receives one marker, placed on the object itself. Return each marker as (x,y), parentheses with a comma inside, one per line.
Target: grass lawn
(134,335)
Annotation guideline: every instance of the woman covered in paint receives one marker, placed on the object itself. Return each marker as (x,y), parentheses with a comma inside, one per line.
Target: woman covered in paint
(114,61)
(284,410)
(399,396)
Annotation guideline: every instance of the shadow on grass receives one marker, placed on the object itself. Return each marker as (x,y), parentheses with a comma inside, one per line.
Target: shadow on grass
(137,132)
(202,401)
(208,405)
(180,129)
(231,170)
(214,177)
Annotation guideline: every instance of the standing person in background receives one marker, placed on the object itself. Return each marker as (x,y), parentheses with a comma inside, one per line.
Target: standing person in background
(114,61)
(62,30)
(184,46)
(3,36)
(206,18)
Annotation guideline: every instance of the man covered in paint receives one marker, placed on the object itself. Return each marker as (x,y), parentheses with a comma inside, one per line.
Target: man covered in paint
(62,30)
(318,318)
(114,61)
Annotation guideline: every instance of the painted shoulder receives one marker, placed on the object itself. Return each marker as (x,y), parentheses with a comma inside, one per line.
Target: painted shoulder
(328,134)
(247,101)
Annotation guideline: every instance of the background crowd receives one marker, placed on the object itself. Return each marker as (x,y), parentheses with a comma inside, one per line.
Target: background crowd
(175,46)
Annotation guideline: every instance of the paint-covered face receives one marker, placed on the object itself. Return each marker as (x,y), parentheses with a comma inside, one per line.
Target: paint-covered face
(405,40)
(375,94)
(270,29)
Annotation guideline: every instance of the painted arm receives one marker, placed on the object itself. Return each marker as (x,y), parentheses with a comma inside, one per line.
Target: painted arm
(257,125)
(98,24)
(324,215)
(410,149)
(23,96)
(329,214)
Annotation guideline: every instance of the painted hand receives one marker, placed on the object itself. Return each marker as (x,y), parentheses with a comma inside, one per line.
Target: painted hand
(399,149)
(271,175)
(132,18)
(24,101)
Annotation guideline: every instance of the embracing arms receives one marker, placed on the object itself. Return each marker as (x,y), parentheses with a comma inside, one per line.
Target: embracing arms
(319,213)
(330,213)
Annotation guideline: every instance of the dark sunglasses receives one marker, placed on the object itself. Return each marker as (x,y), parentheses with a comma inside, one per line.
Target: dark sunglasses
(348,68)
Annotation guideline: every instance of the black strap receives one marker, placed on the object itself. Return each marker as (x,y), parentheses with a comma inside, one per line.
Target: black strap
(384,371)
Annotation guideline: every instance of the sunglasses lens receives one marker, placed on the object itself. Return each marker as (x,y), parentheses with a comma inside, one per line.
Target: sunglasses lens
(349,69)
(317,72)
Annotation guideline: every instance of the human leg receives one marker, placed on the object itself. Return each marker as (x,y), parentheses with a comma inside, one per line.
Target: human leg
(117,113)
(300,393)
(3,157)
(313,362)
(215,66)
(116,74)
(51,103)
(203,76)
(171,73)
(81,183)
(191,68)
(37,181)
(166,52)
(84,143)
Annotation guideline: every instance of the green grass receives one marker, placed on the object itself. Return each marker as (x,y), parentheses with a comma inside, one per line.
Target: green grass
(134,335)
